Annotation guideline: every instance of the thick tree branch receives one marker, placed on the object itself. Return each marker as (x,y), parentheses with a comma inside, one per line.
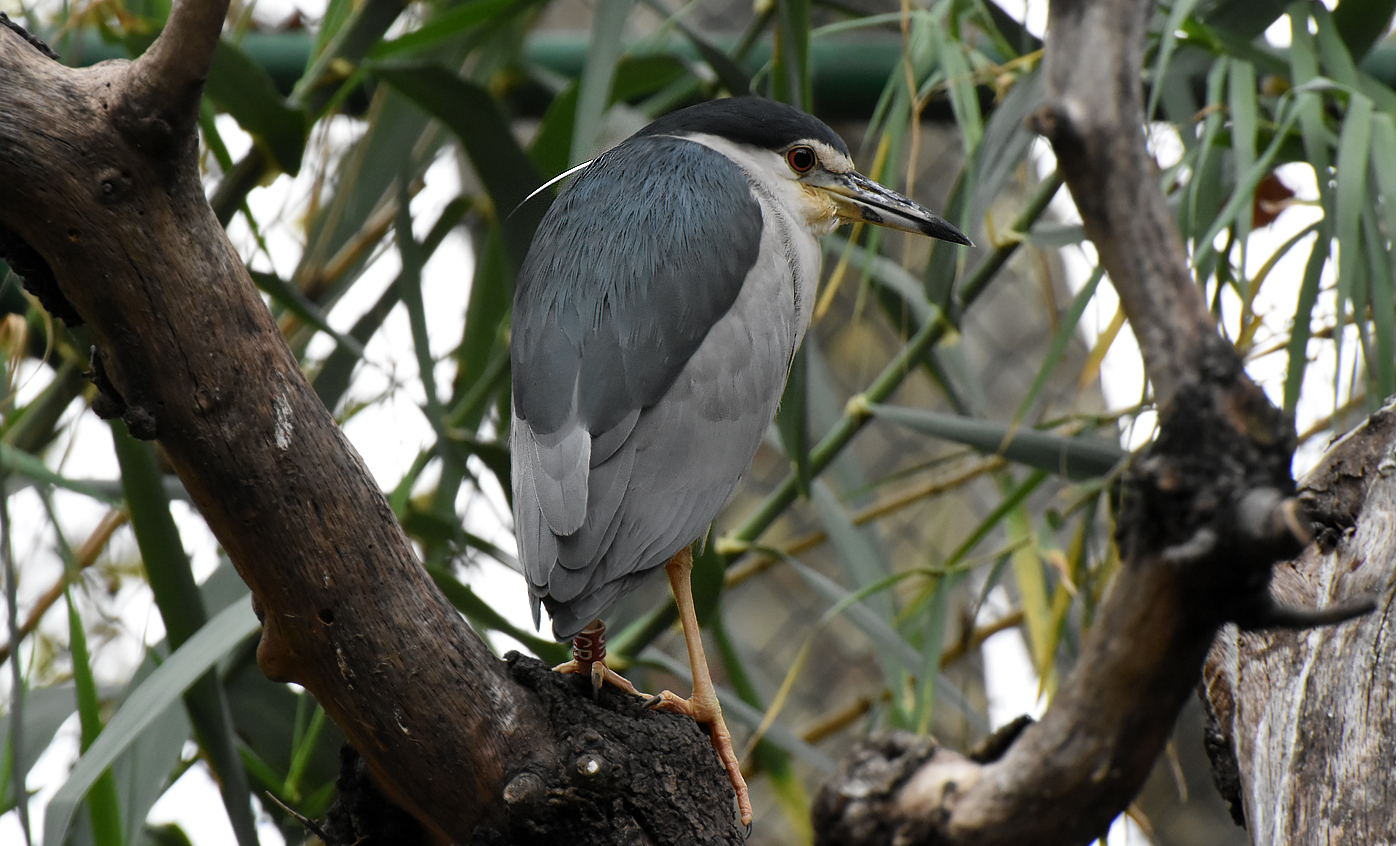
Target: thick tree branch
(1094,120)
(1205,515)
(186,351)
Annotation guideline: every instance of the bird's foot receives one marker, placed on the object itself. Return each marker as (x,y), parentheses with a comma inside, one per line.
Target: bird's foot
(706,711)
(600,672)
(590,648)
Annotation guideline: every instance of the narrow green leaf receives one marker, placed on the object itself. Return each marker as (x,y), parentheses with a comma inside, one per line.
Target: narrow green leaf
(595,85)
(246,91)
(550,149)
(432,526)
(333,378)
(1009,502)
(350,30)
(1073,458)
(475,118)
(33,427)
(1336,58)
(792,77)
(1029,573)
(45,710)
(1006,142)
(636,77)
(935,621)
(1383,163)
(1245,18)
(102,800)
(399,135)
(889,274)
(304,746)
(888,643)
(866,563)
(30,467)
(1302,58)
(483,355)
(1380,274)
(291,298)
(1360,23)
(182,611)
(164,687)
(1069,325)
(410,284)
(962,91)
(733,78)
(1056,235)
(209,132)
(1242,197)
(1244,124)
(1205,191)
(142,772)
(1180,9)
(1353,162)
(445,24)
(1301,330)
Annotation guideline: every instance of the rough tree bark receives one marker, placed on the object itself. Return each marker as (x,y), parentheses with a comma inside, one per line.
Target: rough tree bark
(1205,515)
(101,209)
(1304,737)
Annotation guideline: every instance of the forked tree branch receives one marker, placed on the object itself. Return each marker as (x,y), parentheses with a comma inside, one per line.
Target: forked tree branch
(1206,514)
(98,178)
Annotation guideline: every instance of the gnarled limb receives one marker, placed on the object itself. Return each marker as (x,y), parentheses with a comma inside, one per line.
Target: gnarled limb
(98,177)
(1206,514)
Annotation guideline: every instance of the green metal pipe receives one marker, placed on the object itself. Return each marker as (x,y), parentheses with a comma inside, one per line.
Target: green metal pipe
(848,71)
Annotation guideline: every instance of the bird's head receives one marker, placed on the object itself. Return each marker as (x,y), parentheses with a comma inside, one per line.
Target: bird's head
(789,146)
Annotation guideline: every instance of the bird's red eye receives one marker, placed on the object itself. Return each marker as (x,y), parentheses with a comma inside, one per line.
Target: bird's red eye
(801,159)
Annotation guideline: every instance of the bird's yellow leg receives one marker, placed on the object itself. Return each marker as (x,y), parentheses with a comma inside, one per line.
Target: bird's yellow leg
(703,704)
(589,652)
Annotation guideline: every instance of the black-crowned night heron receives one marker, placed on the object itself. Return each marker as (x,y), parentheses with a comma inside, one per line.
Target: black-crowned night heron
(656,317)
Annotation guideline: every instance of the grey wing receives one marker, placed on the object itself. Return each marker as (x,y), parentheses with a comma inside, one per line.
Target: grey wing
(679,462)
(620,290)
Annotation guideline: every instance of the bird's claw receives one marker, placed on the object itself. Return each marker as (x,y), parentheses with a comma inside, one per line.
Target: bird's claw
(598,673)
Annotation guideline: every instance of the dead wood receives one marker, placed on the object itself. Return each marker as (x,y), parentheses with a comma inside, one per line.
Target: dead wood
(1205,515)
(1303,742)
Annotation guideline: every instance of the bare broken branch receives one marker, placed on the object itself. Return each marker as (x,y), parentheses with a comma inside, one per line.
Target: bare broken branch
(160,103)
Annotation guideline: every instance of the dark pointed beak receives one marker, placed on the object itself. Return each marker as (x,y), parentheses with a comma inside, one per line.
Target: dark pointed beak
(858,197)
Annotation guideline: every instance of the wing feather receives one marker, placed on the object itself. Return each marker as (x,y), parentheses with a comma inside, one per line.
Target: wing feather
(561,481)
